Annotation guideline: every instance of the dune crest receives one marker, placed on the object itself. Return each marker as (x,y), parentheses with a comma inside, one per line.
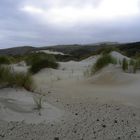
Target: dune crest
(112,75)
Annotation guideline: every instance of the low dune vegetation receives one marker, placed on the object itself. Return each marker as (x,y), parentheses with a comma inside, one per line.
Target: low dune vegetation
(38,61)
(9,78)
(103,61)
(125,65)
(106,50)
(6,60)
(130,66)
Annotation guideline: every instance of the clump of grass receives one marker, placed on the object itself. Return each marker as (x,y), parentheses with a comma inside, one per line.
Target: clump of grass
(4,75)
(4,60)
(22,80)
(125,64)
(13,79)
(42,63)
(38,101)
(39,61)
(103,61)
(31,58)
(134,65)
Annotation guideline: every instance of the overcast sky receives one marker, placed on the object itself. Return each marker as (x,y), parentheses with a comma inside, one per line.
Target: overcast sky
(50,22)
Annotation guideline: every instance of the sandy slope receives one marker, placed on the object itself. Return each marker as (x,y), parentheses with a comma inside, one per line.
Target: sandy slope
(51,52)
(103,107)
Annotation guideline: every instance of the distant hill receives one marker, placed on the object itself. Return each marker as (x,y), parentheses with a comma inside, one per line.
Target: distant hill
(131,49)
(17,50)
(75,50)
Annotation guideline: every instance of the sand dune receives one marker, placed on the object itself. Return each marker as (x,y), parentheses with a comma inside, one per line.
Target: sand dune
(104,106)
(113,75)
(18,105)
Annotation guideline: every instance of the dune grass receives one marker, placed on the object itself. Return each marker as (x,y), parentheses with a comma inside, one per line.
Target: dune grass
(134,64)
(125,64)
(103,61)
(107,50)
(9,78)
(39,61)
(5,60)
(38,101)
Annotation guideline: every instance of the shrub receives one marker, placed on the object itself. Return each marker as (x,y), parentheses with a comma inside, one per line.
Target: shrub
(4,60)
(40,60)
(31,58)
(10,78)
(124,64)
(103,61)
(22,80)
(5,75)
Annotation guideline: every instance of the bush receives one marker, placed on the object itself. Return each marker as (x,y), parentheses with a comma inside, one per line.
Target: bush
(42,63)
(103,61)
(4,60)
(34,57)
(9,78)
(39,61)
(124,64)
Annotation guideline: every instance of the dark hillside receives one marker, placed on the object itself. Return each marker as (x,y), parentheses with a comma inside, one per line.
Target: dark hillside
(131,49)
(17,50)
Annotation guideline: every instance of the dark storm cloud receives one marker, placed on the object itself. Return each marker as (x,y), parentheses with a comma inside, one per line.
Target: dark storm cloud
(39,23)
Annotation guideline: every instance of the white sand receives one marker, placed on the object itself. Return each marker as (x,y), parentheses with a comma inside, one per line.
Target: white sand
(18,105)
(51,52)
(119,56)
(102,107)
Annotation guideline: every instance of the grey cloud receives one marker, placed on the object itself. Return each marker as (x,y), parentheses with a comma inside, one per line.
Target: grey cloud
(18,28)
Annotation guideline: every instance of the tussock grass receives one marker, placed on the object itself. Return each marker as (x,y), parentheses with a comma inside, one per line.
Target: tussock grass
(134,65)
(5,60)
(39,61)
(38,101)
(103,61)
(125,64)
(10,78)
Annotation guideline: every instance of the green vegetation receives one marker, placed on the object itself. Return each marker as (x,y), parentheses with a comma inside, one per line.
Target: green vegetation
(131,66)
(134,64)
(103,61)
(106,50)
(5,60)
(39,61)
(125,64)
(10,78)
(130,49)
(38,101)
(138,63)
